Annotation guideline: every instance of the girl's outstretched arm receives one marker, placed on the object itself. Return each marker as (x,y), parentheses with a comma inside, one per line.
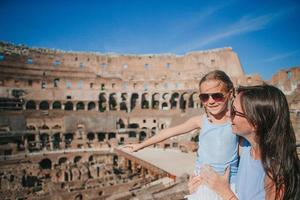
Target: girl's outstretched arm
(189,125)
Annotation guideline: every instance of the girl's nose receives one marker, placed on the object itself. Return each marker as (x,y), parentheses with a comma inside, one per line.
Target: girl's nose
(210,100)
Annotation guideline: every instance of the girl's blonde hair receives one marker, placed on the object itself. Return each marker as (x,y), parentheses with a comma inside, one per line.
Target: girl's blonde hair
(220,76)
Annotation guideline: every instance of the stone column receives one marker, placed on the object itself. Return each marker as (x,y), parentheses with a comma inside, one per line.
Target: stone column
(26,145)
(119,100)
(86,105)
(97,106)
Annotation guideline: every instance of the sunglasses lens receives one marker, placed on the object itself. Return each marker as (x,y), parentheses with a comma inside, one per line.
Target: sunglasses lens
(218,96)
(204,97)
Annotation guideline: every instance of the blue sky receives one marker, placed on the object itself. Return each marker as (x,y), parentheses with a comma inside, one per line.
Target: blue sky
(264,34)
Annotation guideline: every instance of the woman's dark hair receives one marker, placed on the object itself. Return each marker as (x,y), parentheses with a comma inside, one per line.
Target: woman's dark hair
(220,76)
(267,110)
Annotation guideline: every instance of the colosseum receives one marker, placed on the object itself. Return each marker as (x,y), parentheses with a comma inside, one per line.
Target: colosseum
(65,115)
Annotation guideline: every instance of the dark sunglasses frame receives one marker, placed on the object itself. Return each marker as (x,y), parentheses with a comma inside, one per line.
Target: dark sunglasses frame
(218,96)
(234,112)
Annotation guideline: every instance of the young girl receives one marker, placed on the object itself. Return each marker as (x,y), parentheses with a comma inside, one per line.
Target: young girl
(217,144)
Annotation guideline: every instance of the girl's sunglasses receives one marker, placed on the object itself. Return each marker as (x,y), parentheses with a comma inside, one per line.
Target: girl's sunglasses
(215,96)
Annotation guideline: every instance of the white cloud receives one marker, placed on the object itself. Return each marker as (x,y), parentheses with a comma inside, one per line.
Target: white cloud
(245,24)
(281,56)
(194,20)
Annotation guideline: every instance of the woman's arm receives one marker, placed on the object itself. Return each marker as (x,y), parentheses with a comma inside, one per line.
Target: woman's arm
(220,184)
(189,125)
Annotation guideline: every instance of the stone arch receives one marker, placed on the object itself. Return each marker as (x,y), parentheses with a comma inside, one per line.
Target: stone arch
(68,139)
(56,140)
(142,136)
(145,101)
(44,127)
(155,101)
(102,102)
(30,137)
(101,136)
(133,125)
(78,197)
(133,100)
(30,127)
(62,160)
(66,176)
(165,96)
(183,101)
(91,158)
(80,106)
(44,138)
(100,193)
(132,134)
(46,163)
(193,100)
(56,105)
(68,105)
(174,100)
(153,131)
(91,106)
(121,123)
(111,135)
(56,126)
(113,101)
(124,96)
(123,106)
(30,105)
(115,160)
(164,106)
(121,140)
(77,159)
(44,105)
(91,136)
(123,103)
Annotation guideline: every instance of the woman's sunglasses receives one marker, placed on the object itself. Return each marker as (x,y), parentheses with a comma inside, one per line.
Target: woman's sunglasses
(219,97)
(234,112)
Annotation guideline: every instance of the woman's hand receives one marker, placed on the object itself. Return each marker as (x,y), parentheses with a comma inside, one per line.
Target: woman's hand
(132,147)
(218,183)
(194,183)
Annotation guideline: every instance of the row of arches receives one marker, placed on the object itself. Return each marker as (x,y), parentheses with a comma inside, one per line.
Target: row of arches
(47,163)
(57,105)
(47,141)
(122,101)
(91,136)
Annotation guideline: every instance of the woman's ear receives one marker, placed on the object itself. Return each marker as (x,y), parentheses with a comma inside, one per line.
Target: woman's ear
(253,127)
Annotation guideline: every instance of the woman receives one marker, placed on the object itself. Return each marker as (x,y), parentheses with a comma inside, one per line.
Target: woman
(269,166)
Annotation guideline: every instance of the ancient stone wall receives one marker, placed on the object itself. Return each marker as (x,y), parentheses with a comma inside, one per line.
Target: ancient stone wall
(61,113)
